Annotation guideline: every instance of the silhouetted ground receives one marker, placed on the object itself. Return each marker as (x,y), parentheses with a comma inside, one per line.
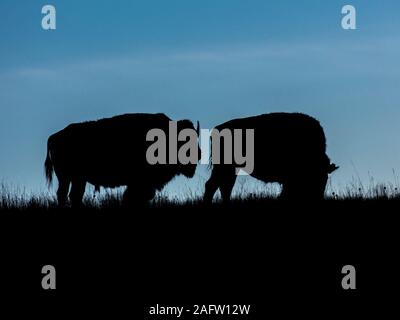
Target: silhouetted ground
(278,256)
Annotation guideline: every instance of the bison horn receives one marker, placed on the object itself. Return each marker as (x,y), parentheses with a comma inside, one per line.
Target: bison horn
(198,128)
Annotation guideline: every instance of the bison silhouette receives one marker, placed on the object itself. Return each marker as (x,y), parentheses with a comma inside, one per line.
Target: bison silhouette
(111,152)
(289,148)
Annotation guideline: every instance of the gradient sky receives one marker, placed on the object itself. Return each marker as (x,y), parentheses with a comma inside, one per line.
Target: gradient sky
(204,60)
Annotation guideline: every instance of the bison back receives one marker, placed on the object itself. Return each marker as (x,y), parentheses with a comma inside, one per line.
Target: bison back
(108,152)
(283,141)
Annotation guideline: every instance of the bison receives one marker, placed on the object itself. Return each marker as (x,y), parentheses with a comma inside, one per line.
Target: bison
(289,148)
(111,152)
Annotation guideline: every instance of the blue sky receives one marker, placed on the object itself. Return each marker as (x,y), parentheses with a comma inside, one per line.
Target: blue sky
(203,60)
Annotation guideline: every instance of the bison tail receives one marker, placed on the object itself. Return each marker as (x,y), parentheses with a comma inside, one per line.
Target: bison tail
(332,167)
(48,166)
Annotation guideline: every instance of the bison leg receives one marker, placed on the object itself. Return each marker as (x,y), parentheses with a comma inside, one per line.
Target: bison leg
(62,192)
(137,196)
(77,192)
(130,196)
(309,188)
(288,191)
(226,187)
(317,186)
(212,186)
(222,178)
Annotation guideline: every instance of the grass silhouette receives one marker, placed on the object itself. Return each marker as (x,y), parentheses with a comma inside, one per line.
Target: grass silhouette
(17,200)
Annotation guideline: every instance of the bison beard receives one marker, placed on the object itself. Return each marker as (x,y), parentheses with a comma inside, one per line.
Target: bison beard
(110,152)
(290,148)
